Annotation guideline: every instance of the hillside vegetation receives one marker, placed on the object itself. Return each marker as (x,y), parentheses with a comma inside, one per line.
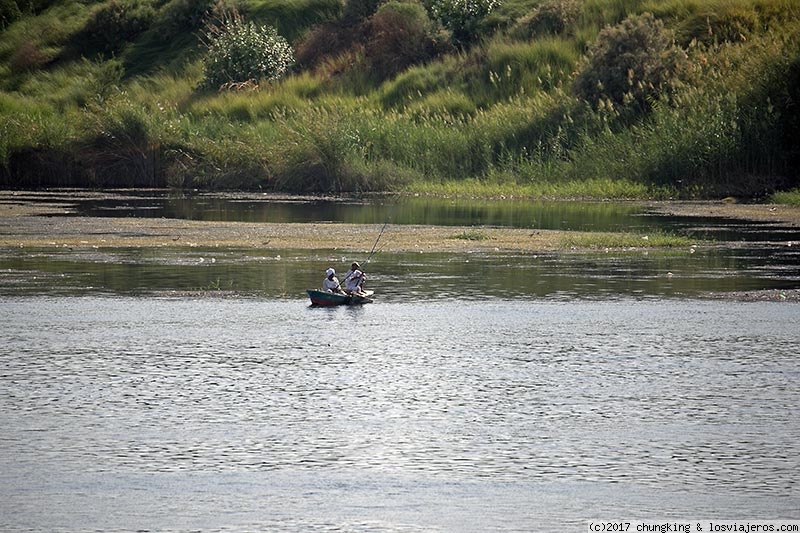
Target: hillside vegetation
(539,98)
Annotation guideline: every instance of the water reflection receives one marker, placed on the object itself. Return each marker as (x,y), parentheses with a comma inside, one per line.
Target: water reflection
(400,277)
(566,215)
(748,255)
(400,210)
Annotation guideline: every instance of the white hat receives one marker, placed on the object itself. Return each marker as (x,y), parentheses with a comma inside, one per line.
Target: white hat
(330,272)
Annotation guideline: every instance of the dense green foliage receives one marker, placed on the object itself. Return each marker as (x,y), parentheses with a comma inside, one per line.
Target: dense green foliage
(787,197)
(111,27)
(549,98)
(464,18)
(630,64)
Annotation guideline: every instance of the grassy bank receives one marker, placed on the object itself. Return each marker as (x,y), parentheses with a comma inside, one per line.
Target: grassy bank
(510,109)
(787,197)
(607,241)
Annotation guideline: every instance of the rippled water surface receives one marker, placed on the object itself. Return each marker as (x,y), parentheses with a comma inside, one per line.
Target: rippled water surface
(194,389)
(125,413)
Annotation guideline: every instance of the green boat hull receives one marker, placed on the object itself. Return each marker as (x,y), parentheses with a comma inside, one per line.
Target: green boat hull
(328,299)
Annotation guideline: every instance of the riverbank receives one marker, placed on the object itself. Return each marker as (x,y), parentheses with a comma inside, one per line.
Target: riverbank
(94,232)
(771,295)
(786,215)
(40,220)
(37,220)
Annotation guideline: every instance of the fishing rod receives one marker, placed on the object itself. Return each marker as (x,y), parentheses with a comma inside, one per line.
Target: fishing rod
(376,240)
(372,252)
(374,246)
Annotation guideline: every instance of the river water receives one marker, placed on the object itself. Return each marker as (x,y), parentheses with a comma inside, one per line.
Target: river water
(197,390)
(180,414)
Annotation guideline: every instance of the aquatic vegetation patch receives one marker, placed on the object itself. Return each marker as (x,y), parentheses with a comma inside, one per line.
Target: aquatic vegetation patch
(509,185)
(786,197)
(603,240)
(471,235)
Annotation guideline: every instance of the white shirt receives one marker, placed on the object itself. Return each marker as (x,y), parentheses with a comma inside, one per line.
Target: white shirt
(353,280)
(331,285)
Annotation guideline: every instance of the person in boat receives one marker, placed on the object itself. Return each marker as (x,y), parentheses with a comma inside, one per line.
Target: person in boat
(354,279)
(331,283)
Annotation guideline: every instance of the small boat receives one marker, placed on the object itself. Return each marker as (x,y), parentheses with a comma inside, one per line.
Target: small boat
(323,298)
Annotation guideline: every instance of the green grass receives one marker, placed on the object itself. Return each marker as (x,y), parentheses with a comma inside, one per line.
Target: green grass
(593,189)
(603,240)
(786,197)
(48,32)
(496,120)
(292,17)
(471,235)
(419,81)
(518,68)
(602,13)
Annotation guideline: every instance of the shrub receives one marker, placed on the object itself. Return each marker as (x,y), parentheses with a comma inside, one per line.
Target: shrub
(292,18)
(321,42)
(399,35)
(116,24)
(239,51)
(26,58)
(37,6)
(181,16)
(357,11)
(630,64)
(342,35)
(554,17)
(9,12)
(464,18)
(725,25)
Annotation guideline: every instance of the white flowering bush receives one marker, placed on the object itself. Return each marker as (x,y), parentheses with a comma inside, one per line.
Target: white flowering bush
(463,17)
(240,52)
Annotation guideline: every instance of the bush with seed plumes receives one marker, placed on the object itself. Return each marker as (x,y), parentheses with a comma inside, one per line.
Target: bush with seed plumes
(554,17)
(631,64)
(238,51)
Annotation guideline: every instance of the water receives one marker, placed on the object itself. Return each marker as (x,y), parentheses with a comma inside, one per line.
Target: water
(178,414)
(195,389)
(400,277)
(745,255)
(551,215)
